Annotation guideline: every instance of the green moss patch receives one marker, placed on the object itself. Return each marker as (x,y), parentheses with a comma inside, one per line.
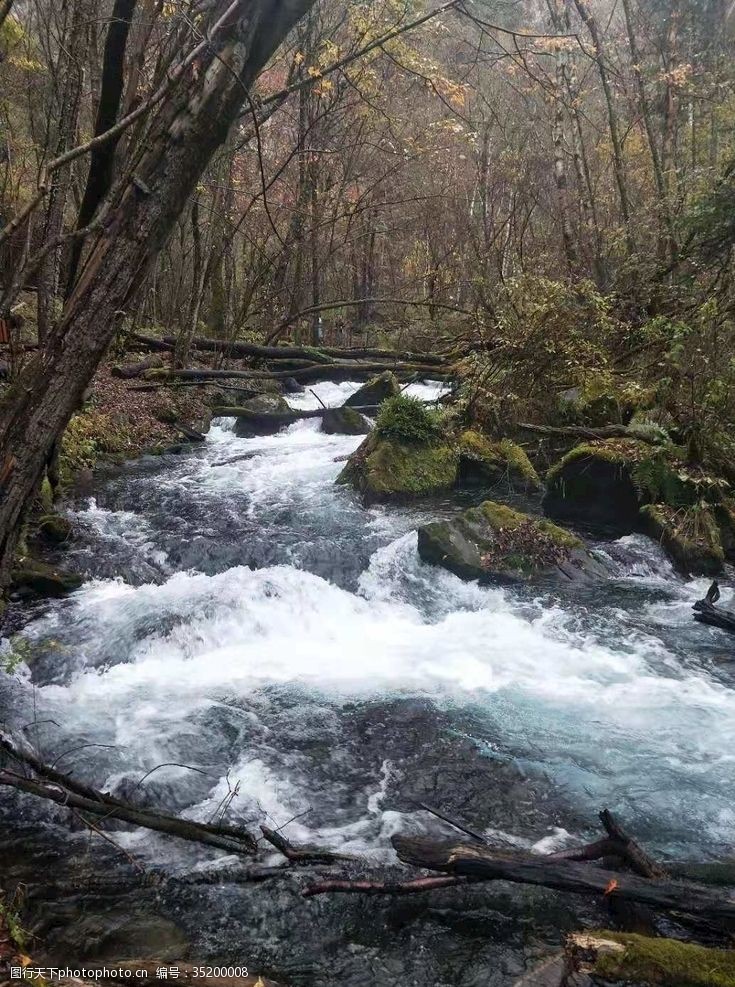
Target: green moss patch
(384,469)
(483,461)
(665,962)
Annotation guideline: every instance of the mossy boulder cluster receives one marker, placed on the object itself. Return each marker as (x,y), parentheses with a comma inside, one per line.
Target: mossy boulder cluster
(626,485)
(494,543)
(412,453)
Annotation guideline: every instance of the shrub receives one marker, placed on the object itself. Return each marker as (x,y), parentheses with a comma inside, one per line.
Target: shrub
(406,419)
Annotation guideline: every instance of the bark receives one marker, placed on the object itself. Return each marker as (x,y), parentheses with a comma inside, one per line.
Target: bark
(184,132)
(132,370)
(99,178)
(70,83)
(483,863)
(5,7)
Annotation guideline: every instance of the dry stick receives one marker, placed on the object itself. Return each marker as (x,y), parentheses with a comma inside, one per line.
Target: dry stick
(73,153)
(452,822)
(638,859)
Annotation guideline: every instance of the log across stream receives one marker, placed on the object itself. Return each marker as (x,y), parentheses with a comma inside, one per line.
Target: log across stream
(285,657)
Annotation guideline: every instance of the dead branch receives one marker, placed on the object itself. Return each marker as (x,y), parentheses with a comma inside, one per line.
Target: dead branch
(303,854)
(471,860)
(583,432)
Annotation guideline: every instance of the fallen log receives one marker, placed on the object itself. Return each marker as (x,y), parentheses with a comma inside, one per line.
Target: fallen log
(60,788)
(630,958)
(310,375)
(708,613)
(483,863)
(131,370)
(641,434)
(321,354)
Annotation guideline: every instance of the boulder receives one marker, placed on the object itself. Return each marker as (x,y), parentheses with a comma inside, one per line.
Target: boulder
(374,392)
(495,544)
(42,579)
(595,484)
(263,416)
(690,537)
(54,529)
(344,421)
(384,469)
(484,463)
(291,386)
(601,402)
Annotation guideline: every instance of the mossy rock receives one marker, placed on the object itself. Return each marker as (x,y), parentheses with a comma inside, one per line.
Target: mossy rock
(265,410)
(344,421)
(483,462)
(494,543)
(605,484)
(384,469)
(376,391)
(42,579)
(664,962)
(54,529)
(689,536)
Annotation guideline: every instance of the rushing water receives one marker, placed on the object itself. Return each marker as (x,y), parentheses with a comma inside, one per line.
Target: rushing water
(251,620)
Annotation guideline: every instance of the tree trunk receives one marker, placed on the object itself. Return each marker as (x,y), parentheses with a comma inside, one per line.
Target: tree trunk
(184,133)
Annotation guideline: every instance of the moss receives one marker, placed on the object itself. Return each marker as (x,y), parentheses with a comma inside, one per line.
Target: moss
(407,420)
(501,516)
(90,435)
(620,452)
(690,537)
(385,469)
(666,962)
(54,528)
(46,495)
(495,543)
(484,460)
(43,579)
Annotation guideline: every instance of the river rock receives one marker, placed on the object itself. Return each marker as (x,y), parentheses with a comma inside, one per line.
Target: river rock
(384,469)
(291,386)
(596,484)
(42,579)
(375,391)
(691,538)
(344,421)
(259,422)
(483,462)
(494,543)
(54,529)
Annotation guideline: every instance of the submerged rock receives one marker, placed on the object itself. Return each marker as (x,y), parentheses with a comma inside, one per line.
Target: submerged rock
(691,538)
(483,462)
(42,579)
(494,543)
(375,391)
(384,469)
(344,421)
(263,416)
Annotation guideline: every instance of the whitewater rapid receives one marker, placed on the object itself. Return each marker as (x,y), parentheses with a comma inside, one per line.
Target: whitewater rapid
(263,606)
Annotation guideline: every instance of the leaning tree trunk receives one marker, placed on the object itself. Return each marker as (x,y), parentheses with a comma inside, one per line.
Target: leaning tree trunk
(183,135)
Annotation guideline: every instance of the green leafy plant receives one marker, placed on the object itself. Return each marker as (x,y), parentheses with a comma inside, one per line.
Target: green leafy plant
(406,419)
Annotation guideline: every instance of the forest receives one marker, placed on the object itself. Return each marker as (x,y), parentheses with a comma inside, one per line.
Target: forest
(367,492)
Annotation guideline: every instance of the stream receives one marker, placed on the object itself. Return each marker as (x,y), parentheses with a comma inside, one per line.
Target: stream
(248,619)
